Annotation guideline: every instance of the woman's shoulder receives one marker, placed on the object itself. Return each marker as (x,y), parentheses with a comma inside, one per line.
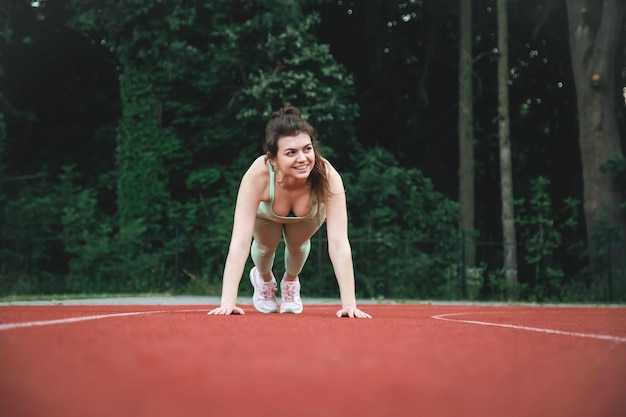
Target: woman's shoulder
(259,164)
(257,173)
(334,178)
(330,169)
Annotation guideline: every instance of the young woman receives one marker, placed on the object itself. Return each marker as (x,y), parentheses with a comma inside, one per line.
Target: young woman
(288,192)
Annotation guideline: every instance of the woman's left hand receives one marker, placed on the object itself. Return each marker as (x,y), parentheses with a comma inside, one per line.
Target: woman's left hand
(226,309)
(353,312)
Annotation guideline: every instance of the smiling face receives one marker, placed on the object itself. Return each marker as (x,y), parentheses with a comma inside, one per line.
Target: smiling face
(295,157)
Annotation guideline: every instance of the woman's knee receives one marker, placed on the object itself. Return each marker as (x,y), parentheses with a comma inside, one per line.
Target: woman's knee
(299,248)
(261,249)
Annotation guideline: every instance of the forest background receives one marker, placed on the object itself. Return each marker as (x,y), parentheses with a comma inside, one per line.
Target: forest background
(125,127)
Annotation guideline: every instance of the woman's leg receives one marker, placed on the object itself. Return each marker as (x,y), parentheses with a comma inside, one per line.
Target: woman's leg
(266,237)
(297,248)
(298,245)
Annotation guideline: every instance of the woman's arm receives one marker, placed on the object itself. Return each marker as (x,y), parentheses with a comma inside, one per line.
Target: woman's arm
(250,194)
(339,248)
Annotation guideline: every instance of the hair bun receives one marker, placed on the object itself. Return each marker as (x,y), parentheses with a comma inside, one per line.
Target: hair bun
(286,111)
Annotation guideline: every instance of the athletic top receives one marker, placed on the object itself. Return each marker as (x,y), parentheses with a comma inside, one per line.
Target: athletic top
(266,212)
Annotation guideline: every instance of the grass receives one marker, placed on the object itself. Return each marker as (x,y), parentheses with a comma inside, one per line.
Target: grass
(56,297)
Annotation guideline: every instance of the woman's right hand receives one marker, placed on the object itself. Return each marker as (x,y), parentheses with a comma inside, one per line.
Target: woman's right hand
(226,309)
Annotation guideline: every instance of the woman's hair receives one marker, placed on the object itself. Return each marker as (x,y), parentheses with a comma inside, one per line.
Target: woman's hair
(288,121)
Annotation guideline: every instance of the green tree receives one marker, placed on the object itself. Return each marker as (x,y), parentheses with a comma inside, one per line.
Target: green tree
(405,232)
(197,82)
(542,233)
(5,37)
(466,132)
(594,31)
(506,170)
(145,37)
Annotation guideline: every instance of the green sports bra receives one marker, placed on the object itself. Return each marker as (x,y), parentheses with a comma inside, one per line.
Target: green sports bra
(265,210)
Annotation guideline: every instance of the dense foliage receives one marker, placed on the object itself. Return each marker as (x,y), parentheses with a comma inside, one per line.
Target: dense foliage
(126,125)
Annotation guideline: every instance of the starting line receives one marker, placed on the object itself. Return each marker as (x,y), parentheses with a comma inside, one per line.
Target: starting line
(445,317)
(9,326)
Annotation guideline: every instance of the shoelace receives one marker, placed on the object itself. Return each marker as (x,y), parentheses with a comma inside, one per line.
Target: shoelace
(288,293)
(267,291)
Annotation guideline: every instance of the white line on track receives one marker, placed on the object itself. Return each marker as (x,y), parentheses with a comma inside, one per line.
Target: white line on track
(446,317)
(9,326)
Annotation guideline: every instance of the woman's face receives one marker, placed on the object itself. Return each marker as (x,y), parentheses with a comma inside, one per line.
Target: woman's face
(295,156)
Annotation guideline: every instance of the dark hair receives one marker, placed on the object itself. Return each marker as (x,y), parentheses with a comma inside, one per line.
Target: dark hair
(288,121)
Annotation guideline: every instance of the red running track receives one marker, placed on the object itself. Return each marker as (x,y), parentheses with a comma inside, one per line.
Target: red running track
(409,360)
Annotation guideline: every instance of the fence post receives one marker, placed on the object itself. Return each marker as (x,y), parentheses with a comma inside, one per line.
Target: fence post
(463,265)
(1,235)
(609,256)
(29,249)
(319,259)
(176,257)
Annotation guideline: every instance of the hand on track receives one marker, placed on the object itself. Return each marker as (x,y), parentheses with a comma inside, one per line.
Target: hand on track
(353,312)
(226,309)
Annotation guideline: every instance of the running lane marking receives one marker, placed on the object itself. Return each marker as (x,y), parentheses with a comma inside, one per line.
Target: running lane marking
(9,326)
(445,317)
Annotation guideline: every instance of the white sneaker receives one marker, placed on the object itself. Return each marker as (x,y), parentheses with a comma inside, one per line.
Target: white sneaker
(264,298)
(290,297)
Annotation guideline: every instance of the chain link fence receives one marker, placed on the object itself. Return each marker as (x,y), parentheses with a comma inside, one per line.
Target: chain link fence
(32,263)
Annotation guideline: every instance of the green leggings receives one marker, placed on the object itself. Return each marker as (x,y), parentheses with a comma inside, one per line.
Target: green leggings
(297,234)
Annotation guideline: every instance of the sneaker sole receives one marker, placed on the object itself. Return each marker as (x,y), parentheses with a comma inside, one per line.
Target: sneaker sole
(291,310)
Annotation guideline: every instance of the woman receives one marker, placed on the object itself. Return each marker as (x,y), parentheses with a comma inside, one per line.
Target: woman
(288,192)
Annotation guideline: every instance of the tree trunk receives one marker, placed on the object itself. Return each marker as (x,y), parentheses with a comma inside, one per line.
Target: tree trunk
(5,38)
(506,175)
(466,135)
(594,29)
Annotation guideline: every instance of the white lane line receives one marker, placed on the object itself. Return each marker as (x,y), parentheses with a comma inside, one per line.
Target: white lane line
(445,317)
(9,326)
